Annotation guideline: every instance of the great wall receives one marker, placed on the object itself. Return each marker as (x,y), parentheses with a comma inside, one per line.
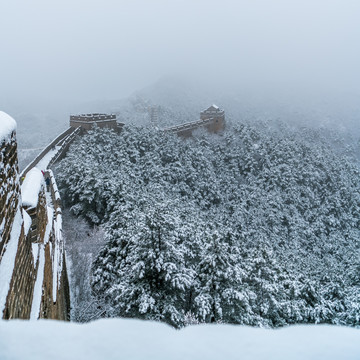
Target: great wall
(33,276)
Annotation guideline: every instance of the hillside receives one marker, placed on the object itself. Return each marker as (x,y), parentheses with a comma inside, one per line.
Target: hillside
(256,226)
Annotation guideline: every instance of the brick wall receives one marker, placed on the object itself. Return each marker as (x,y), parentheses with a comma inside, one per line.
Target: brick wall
(217,125)
(60,309)
(50,308)
(9,188)
(18,303)
(21,292)
(87,125)
(217,122)
(20,296)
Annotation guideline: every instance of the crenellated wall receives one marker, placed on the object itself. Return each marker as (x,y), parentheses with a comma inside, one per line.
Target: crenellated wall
(87,121)
(18,302)
(16,287)
(33,276)
(55,303)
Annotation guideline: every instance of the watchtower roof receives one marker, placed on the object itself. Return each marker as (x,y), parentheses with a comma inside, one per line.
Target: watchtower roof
(212,108)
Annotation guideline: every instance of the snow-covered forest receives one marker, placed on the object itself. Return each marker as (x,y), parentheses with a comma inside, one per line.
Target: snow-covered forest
(257,226)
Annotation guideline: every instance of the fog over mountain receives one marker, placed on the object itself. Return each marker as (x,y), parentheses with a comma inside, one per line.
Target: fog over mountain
(178,101)
(65,51)
(297,61)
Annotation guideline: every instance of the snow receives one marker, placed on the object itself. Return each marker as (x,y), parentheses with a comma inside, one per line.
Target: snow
(31,187)
(8,260)
(2,225)
(35,252)
(58,252)
(27,222)
(54,185)
(38,288)
(44,162)
(136,339)
(7,126)
(215,106)
(50,214)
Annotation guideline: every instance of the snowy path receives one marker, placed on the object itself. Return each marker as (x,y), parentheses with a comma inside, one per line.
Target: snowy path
(52,150)
(44,162)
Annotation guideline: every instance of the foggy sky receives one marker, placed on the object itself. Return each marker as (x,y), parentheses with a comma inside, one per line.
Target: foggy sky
(83,50)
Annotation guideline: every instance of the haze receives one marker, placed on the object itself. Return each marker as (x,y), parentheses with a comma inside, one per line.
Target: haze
(72,51)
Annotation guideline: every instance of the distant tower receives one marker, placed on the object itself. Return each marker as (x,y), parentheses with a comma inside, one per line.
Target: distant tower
(217,117)
(154,116)
(86,121)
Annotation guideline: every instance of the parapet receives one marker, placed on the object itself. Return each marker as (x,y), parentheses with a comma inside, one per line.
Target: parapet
(33,275)
(86,121)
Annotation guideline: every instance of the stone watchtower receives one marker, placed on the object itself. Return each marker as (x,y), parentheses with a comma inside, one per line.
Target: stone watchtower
(212,119)
(217,116)
(86,121)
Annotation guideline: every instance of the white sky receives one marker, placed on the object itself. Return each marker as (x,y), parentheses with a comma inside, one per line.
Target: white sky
(105,49)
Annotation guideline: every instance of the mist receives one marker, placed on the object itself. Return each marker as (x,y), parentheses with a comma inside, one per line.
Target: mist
(64,52)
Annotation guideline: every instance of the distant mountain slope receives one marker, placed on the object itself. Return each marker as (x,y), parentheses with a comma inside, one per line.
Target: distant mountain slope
(181,100)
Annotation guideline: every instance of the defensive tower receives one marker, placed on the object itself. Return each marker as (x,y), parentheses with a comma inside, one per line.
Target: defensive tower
(212,119)
(217,116)
(86,121)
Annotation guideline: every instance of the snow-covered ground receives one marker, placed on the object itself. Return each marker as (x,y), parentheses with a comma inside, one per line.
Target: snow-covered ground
(44,162)
(135,339)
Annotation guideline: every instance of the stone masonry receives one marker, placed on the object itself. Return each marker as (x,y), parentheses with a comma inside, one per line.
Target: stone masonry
(34,231)
(212,119)
(9,188)
(87,121)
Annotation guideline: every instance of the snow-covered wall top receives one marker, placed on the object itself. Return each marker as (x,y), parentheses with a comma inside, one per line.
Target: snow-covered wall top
(7,126)
(31,187)
(152,340)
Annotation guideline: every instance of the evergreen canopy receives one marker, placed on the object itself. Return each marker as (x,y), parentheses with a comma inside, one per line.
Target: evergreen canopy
(251,227)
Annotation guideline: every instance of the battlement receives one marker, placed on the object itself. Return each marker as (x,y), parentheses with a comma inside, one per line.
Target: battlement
(92,117)
(86,121)
(212,119)
(33,275)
